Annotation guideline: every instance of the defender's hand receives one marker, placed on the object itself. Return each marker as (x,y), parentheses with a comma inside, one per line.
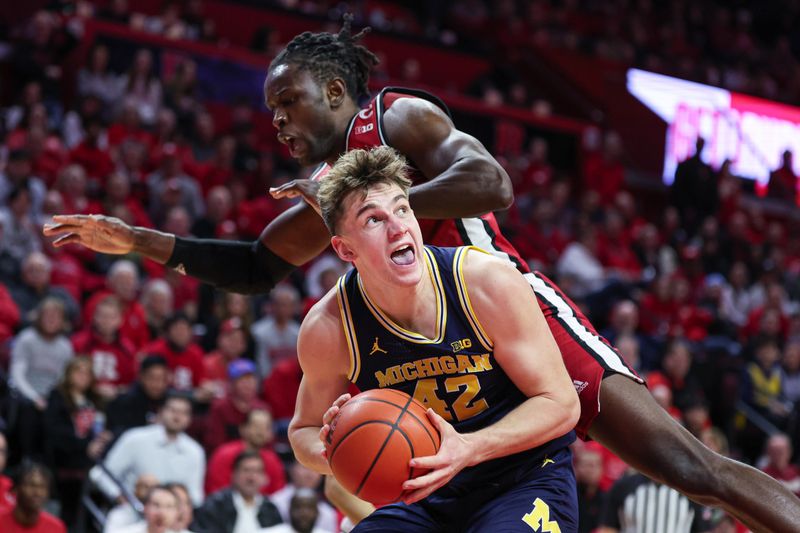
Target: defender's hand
(455,453)
(328,417)
(100,233)
(306,189)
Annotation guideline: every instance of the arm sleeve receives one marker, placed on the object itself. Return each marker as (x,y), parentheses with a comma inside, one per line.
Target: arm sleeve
(235,266)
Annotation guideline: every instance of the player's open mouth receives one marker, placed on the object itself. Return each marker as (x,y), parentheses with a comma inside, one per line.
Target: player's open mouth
(404,255)
(291,142)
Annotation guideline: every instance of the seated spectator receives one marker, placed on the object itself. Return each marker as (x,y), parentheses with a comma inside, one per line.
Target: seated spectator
(184,357)
(119,197)
(276,333)
(97,80)
(230,411)
(231,345)
(591,498)
(162,449)
(124,514)
(185,508)
(791,372)
(170,186)
(73,440)
(762,383)
(676,373)
(240,508)
(140,405)
(142,87)
(280,390)
(160,512)
(112,356)
(20,227)
(9,314)
(779,454)
(257,436)
(92,153)
(302,478)
(38,358)
(35,286)
(157,301)
(122,281)
(32,488)
(219,208)
(17,173)
(580,272)
(303,515)
(7,499)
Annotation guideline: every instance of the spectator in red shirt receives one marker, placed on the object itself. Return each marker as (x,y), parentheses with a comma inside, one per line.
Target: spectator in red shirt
(123,282)
(231,345)
(280,391)
(113,356)
(779,452)
(184,357)
(7,499)
(72,185)
(91,155)
(32,488)
(9,315)
(257,436)
(118,194)
(229,412)
(604,172)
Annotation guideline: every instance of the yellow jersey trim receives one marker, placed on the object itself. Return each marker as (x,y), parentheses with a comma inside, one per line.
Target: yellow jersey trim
(463,295)
(349,331)
(441,308)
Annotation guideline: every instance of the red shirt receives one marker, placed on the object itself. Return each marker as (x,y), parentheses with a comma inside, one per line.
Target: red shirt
(220,467)
(224,420)
(281,386)
(7,499)
(789,477)
(47,523)
(9,314)
(187,366)
(114,363)
(96,161)
(134,321)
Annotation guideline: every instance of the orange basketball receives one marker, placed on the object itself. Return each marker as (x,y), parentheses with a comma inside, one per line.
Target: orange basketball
(373,438)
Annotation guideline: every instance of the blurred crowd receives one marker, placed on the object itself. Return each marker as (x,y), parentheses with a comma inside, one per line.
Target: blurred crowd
(183,393)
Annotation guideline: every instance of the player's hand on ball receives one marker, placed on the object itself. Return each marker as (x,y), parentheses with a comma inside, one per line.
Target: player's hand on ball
(455,453)
(100,233)
(328,417)
(305,189)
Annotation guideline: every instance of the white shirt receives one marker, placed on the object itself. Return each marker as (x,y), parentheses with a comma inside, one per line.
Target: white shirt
(121,516)
(148,450)
(140,527)
(327,521)
(274,343)
(246,515)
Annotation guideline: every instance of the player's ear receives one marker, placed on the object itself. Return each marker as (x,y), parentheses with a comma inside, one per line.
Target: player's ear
(341,248)
(337,92)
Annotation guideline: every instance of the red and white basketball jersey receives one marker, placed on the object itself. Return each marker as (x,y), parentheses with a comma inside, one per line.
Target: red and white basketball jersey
(366,131)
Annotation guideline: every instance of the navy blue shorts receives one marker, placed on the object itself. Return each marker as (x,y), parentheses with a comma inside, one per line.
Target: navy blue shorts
(543,499)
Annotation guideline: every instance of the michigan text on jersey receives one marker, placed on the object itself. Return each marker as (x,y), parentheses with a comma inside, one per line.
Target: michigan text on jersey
(433,366)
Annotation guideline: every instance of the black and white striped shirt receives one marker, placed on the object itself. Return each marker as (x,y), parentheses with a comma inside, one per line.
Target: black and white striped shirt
(636,504)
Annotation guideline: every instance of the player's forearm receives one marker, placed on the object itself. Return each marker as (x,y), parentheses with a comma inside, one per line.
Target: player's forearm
(308,448)
(471,187)
(153,244)
(534,422)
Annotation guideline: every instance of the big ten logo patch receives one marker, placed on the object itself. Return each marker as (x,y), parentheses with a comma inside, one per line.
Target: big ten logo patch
(365,128)
(463,344)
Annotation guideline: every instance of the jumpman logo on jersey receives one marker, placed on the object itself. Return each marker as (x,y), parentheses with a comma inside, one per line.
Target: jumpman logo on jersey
(376,348)
(547,461)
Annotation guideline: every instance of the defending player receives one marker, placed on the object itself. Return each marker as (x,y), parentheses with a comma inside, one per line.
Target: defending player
(313,87)
(506,412)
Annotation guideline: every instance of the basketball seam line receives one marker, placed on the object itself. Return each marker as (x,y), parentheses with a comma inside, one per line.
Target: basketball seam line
(385,442)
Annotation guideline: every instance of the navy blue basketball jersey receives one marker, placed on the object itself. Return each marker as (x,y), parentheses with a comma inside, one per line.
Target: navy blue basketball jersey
(454,373)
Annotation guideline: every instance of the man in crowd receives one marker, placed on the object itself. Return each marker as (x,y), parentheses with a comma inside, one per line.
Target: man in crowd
(303,515)
(141,404)
(160,512)
(778,452)
(32,489)
(303,478)
(162,449)
(257,436)
(240,508)
(124,514)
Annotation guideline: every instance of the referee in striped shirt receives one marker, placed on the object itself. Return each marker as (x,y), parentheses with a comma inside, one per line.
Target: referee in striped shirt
(637,504)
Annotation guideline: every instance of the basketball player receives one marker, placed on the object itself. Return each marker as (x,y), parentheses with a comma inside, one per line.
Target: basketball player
(313,87)
(473,347)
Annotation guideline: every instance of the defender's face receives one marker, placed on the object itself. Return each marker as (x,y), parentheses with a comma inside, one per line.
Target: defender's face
(380,235)
(301,113)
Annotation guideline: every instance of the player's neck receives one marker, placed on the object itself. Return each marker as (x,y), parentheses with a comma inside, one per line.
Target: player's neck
(346,117)
(412,308)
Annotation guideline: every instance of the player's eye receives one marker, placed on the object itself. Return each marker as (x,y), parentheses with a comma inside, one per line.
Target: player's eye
(371,220)
(402,210)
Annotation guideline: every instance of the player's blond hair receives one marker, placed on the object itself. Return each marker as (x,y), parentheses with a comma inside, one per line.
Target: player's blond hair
(359,170)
